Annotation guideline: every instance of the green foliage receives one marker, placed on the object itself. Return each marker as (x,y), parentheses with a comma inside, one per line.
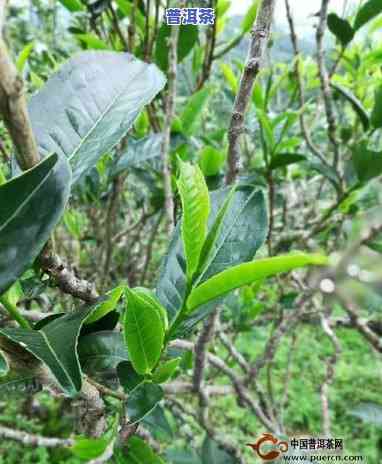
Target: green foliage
(247,273)
(144,330)
(340,28)
(39,197)
(166,370)
(142,400)
(190,116)
(367,11)
(196,208)
(84,121)
(376,115)
(367,163)
(139,451)
(249,17)
(356,104)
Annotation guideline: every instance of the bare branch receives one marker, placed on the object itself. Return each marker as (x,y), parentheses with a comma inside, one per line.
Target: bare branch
(260,35)
(30,439)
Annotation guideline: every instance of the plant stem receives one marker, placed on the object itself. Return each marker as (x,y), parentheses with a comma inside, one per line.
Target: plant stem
(14,313)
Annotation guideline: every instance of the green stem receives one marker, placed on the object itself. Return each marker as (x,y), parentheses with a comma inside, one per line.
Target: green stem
(14,313)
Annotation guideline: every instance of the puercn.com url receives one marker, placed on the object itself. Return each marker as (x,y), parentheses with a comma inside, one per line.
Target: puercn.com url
(325,458)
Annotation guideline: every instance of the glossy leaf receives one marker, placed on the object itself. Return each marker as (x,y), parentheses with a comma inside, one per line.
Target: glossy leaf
(31,205)
(166,370)
(188,37)
(355,103)
(139,452)
(367,11)
(190,116)
(376,115)
(90,104)
(128,377)
(247,273)
(196,208)
(143,331)
(138,152)
(142,400)
(55,345)
(282,160)
(107,305)
(340,28)
(100,352)
(367,163)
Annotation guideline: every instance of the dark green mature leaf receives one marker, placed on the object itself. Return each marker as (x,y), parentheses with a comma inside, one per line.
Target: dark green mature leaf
(355,103)
(367,163)
(191,113)
(102,351)
(143,331)
(56,346)
(212,454)
(376,115)
(139,452)
(128,377)
(376,243)
(340,28)
(196,208)
(241,232)
(157,422)
(188,36)
(142,400)
(247,273)
(368,11)
(17,382)
(285,159)
(138,152)
(90,104)
(4,367)
(31,205)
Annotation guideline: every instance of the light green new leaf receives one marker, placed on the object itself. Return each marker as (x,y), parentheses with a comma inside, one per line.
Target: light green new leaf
(107,305)
(247,273)
(166,370)
(90,104)
(211,160)
(368,11)
(139,452)
(31,205)
(142,400)
(56,346)
(191,114)
(91,41)
(230,77)
(143,331)
(250,17)
(196,208)
(376,115)
(23,57)
(92,448)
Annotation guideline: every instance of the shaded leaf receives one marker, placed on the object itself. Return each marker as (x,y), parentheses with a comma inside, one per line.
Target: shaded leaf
(143,331)
(196,208)
(356,104)
(139,452)
(188,36)
(142,400)
(247,273)
(31,205)
(340,28)
(101,351)
(55,345)
(138,152)
(166,370)
(157,421)
(367,163)
(90,104)
(212,454)
(376,115)
(128,377)
(285,159)
(4,367)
